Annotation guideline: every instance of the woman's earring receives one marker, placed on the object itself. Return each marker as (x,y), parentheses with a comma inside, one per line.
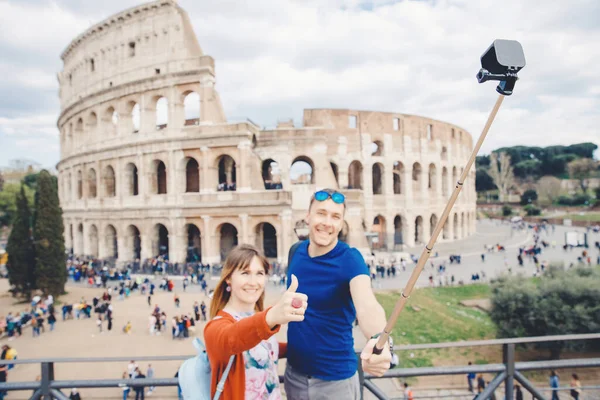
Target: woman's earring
(228,288)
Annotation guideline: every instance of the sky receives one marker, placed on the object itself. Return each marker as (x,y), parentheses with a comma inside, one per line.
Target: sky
(275,58)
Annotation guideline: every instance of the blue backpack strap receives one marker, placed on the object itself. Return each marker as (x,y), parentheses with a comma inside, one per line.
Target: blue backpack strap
(221,383)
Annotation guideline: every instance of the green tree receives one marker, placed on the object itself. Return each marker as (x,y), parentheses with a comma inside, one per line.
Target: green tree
(483,181)
(8,202)
(580,170)
(48,233)
(564,302)
(529,196)
(21,257)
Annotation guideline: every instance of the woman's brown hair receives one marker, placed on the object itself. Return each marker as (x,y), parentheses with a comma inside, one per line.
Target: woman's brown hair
(239,257)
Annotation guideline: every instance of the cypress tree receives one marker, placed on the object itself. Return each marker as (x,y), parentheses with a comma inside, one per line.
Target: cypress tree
(21,257)
(48,233)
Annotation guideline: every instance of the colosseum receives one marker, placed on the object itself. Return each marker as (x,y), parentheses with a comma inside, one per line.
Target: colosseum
(150,164)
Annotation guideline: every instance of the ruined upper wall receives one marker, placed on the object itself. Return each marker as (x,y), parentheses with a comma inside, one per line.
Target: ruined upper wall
(375,122)
(139,43)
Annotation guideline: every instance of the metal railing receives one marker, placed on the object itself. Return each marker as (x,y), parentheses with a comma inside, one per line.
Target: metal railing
(506,372)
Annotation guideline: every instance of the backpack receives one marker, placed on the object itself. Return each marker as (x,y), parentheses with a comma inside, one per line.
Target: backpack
(194,375)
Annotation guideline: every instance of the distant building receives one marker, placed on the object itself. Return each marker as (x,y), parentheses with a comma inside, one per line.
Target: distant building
(150,164)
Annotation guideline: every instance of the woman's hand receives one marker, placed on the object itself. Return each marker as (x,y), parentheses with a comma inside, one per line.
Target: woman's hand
(290,308)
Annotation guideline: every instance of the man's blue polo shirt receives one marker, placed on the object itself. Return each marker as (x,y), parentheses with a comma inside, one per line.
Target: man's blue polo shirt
(322,345)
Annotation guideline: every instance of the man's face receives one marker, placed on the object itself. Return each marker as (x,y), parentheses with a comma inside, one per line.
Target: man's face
(325,220)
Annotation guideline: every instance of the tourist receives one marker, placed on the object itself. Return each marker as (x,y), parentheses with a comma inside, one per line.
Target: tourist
(470,378)
(203,310)
(242,328)
(518,393)
(408,394)
(554,384)
(575,387)
(126,389)
(336,279)
(139,388)
(74,395)
(150,375)
(480,383)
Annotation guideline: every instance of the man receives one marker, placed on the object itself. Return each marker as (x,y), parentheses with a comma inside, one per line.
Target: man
(321,362)
(470,378)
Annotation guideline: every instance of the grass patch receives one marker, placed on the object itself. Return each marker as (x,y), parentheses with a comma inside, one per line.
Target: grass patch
(440,317)
(594,217)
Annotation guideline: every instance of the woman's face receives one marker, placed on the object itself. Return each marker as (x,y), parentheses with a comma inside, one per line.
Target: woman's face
(248,284)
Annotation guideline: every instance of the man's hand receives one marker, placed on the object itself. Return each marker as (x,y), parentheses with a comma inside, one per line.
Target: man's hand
(375,364)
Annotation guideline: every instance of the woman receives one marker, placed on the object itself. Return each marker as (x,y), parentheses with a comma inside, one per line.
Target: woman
(575,387)
(241,326)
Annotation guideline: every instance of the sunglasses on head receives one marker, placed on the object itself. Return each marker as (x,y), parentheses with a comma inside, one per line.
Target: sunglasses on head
(337,197)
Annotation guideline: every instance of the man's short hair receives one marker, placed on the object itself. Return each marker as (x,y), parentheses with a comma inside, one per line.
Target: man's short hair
(327,190)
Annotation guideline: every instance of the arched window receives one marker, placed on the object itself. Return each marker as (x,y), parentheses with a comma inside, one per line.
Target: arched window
(444,154)
(79,185)
(91,181)
(192,176)
(302,171)
(111,242)
(398,234)
(161,177)
(160,245)
(266,239)
(227,174)
(419,230)
(194,247)
(93,241)
(432,181)
(355,172)
(134,243)
(379,227)
(228,239)
(377,148)
(162,113)
(191,105)
(444,181)
(109,182)
(131,174)
(377,178)
(416,177)
(432,223)
(398,173)
(271,174)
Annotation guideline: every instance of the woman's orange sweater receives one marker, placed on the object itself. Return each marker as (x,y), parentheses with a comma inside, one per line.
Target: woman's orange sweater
(224,337)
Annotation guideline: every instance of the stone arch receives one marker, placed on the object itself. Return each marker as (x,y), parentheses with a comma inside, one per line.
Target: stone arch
(228,239)
(398,173)
(445,181)
(398,231)
(379,227)
(110,120)
(462,225)
(69,187)
(79,240)
(344,234)
(335,170)
(455,223)
(417,177)
(110,184)
(432,178)
(377,149)
(191,108)
(446,230)
(93,240)
(378,173)
(266,239)
(271,174)
(444,154)
(79,128)
(419,234)
(91,183)
(355,175)
(133,240)
(194,243)
(111,242)
(192,176)
(132,179)
(159,177)
(160,240)
(302,171)
(92,122)
(454,176)
(79,184)
(162,112)
(433,220)
(133,123)
(227,173)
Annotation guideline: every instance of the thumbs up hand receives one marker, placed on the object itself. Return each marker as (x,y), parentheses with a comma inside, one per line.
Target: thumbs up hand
(290,307)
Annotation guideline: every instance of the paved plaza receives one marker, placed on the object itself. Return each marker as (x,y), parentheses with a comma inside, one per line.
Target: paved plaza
(80,338)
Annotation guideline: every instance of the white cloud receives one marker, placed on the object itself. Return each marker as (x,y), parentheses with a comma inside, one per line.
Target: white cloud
(417,57)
